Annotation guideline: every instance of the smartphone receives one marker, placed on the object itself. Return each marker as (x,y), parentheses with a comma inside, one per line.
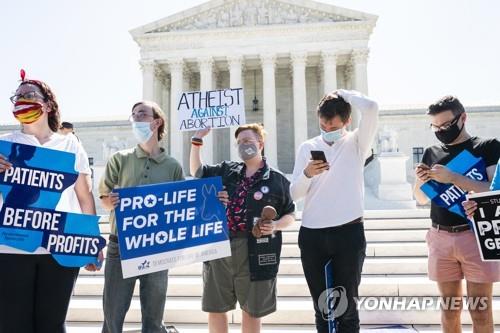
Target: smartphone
(423,166)
(318,155)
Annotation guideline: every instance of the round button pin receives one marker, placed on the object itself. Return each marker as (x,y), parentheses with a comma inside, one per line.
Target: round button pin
(258,195)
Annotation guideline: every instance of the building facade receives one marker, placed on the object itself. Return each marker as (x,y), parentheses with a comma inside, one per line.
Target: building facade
(285,54)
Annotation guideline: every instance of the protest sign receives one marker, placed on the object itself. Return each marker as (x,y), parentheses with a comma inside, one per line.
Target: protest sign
(31,190)
(214,108)
(486,223)
(330,301)
(450,196)
(333,301)
(170,224)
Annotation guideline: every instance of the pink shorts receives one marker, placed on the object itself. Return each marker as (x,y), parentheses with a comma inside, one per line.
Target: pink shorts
(453,256)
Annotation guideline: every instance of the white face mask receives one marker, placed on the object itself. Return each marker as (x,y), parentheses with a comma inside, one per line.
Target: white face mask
(142,131)
(332,136)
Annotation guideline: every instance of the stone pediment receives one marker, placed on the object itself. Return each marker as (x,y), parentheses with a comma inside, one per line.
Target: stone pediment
(223,14)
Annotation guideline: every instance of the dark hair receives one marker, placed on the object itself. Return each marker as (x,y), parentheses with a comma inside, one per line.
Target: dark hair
(333,105)
(54,117)
(157,114)
(446,103)
(255,127)
(67,125)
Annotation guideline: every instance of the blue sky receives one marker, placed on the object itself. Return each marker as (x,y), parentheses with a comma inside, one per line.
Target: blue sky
(420,50)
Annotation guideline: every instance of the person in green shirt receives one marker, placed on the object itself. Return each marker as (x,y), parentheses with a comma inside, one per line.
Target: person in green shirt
(147,163)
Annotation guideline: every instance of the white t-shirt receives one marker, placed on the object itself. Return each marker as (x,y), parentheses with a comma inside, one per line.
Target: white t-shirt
(335,197)
(68,201)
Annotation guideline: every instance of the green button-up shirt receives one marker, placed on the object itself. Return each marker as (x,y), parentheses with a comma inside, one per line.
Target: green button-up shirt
(134,167)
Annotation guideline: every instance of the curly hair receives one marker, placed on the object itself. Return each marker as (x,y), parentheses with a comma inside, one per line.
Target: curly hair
(54,117)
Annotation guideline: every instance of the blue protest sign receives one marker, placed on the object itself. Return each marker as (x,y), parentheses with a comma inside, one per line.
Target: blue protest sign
(333,301)
(170,224)
(31,190)
(332,323)
(450,196)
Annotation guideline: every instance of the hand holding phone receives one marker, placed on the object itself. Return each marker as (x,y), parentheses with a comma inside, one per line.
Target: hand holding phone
(317,165)
(422,172)
(318,155)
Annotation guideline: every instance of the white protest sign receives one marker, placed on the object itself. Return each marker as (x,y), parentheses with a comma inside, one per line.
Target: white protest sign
(214,108)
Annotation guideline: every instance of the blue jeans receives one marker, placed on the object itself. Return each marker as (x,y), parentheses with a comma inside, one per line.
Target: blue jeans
(118,294)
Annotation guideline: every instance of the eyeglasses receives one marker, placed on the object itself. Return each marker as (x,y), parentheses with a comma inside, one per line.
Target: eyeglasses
(139,116)
(28,95)
(445,126)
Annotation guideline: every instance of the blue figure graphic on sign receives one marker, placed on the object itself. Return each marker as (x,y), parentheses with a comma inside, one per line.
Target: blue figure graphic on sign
(210,201)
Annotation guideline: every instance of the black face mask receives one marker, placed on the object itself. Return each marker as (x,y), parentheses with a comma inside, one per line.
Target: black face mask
(451,134)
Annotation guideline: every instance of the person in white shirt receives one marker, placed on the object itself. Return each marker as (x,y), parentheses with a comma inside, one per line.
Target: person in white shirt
(34,289)
(332,218)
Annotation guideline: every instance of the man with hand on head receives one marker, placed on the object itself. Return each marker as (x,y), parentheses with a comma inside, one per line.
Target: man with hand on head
(332,219)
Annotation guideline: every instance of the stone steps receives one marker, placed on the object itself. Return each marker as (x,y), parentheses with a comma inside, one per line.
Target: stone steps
(288,286)
(396,265)
(291,310)
(86,327)
(292,266)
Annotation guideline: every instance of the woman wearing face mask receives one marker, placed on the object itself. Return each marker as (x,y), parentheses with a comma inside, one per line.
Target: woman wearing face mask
(34,289)
(245,276)
(147,163)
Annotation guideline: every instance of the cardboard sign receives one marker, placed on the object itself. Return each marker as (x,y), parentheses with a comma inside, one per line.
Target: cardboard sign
(214,108)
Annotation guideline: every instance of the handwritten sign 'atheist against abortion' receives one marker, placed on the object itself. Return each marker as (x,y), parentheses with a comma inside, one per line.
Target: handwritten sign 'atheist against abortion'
(214,108)
(170,224)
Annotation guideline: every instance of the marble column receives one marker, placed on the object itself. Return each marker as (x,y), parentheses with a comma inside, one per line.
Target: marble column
(235,63)
(360,61)
(360,78)
(164,103)
(299,98)
(329,59)
(268,63)
(159,85)
(176,84)
(206,83)
(148,80)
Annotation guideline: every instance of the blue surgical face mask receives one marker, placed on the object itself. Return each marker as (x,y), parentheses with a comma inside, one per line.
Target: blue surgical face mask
(142,131)
(333,135)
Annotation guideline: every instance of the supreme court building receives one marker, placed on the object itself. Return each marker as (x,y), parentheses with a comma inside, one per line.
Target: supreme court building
(285,54)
